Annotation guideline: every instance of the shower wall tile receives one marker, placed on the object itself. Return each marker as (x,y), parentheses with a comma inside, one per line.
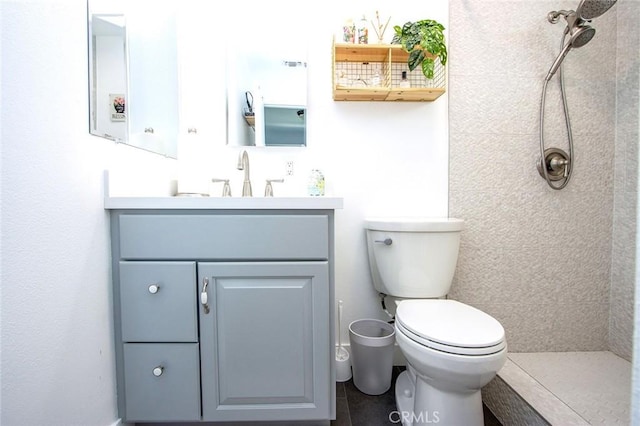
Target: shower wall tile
(581,326)
(489,44)
(626,174)
(526,325)
(509,407)
(493,104)
(551,326)
(497,105)
(623,275)
(536,259)
(491,161)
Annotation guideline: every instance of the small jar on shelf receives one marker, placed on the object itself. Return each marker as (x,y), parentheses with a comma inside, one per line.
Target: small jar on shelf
(404,81)
(363,31)
(348,32)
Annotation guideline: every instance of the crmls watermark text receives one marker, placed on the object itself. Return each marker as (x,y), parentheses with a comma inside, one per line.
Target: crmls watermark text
(411,417)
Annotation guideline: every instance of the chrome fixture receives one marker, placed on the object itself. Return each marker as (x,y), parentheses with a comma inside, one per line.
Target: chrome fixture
(243,164)
(386,241)
(268,189)
(204,296)
(554,164)
(226,189)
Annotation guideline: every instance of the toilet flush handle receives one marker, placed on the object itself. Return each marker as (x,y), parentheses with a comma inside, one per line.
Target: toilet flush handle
(386,241)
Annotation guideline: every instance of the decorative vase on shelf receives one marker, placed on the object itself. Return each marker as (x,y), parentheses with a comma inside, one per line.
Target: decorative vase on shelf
(363,31)
(379,29)
(349,32)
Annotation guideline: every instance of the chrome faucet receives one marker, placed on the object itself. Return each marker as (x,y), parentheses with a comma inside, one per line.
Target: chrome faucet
(243,164)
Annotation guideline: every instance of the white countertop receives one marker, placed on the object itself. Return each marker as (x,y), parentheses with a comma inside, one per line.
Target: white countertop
(138,199)
(248,203)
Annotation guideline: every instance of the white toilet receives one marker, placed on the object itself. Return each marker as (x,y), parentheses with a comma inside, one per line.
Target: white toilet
(452,349)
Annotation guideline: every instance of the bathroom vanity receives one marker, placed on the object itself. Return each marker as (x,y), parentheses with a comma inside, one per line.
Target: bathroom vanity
(224,308)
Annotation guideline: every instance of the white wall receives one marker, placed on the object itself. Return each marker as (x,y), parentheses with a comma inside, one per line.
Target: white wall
(57,362)
(383,158)
(57,359)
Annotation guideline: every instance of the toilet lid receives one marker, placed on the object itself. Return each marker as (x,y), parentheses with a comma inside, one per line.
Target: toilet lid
(449,323)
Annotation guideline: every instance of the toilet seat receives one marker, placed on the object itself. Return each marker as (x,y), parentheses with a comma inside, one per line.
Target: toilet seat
(450,326)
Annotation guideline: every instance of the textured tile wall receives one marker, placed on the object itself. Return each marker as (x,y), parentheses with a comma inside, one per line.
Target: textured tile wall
(536,259)
(625,182)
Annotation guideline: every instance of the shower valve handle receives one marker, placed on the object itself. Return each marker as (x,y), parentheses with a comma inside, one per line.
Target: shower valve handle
(559,163)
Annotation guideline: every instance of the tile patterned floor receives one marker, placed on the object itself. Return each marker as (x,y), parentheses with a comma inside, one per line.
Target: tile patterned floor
(354,408)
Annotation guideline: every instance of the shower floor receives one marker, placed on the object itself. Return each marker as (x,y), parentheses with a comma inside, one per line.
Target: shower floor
(572,388)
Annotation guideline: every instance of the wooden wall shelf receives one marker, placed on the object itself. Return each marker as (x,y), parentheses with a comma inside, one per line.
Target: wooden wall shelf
(356,62)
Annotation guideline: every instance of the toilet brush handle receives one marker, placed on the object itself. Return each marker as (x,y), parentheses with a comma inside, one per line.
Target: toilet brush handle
(339,323)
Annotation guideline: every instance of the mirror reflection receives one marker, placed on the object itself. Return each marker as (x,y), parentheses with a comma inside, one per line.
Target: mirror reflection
(267,86)
(153,76)
(153,81)
(134,74)
(108,111)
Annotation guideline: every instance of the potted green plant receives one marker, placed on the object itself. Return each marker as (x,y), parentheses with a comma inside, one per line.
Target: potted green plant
(424,40)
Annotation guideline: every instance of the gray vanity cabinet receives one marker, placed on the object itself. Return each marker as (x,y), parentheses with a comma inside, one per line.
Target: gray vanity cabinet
(265,334)
(223,315)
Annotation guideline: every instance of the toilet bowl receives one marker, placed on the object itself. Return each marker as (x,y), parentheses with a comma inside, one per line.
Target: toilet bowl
(452,349)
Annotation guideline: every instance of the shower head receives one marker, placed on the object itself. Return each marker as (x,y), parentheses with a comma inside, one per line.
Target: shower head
(589,9)
(580,36)
(580,33)
(586,11)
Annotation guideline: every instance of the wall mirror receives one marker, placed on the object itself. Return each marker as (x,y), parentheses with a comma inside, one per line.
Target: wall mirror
(267,82)
(151,84)
(133,73)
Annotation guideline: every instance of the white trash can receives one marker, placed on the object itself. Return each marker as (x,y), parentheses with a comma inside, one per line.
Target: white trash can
(372,355)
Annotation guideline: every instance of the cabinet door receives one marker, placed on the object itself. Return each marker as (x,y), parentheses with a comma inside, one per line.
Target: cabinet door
(265,350)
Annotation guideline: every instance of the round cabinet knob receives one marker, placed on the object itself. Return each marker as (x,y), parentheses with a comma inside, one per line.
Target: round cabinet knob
(158,371)
(153,288)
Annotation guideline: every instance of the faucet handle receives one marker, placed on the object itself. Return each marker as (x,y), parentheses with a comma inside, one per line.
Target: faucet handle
(226,189)
(268,189)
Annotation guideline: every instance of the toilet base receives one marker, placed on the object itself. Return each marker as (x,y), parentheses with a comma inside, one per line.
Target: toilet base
(421,404)
(404,397)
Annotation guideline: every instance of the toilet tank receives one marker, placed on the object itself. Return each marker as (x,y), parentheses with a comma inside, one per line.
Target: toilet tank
(413,257)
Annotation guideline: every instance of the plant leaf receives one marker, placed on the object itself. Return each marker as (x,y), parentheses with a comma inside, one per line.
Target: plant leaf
(421,37)
(427,67)
(416,57)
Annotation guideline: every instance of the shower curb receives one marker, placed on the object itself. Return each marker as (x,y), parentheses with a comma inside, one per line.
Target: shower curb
(515,397)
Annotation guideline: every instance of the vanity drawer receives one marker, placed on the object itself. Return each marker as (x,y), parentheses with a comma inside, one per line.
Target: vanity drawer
(161,381)
(158,301)
(224,237)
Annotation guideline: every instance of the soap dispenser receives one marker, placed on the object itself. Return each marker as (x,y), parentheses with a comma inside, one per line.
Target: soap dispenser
(315,185)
